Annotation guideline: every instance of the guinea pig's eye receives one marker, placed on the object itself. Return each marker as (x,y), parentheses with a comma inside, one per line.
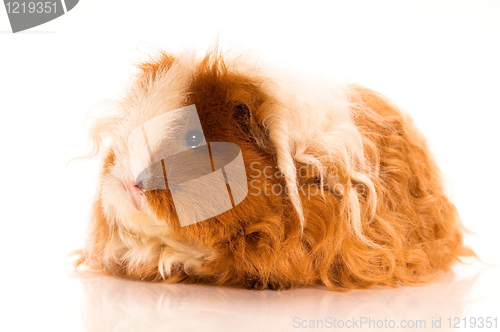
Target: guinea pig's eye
(193,138)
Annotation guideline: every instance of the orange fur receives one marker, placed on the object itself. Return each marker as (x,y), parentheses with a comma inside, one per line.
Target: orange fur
(414,235)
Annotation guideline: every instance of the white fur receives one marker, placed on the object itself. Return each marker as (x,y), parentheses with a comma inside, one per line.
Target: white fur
(312,123)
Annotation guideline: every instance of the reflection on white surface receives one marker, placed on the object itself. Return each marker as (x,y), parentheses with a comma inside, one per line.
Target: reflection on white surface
(120,305)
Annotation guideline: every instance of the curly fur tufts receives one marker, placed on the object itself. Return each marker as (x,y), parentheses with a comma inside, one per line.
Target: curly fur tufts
(360,203)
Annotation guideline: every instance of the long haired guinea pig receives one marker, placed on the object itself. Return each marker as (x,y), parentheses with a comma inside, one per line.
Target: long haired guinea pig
(341,189)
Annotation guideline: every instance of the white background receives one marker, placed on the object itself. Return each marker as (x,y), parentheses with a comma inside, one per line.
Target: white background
(437,60)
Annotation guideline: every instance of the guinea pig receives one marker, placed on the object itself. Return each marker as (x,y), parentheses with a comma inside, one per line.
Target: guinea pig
(339,187)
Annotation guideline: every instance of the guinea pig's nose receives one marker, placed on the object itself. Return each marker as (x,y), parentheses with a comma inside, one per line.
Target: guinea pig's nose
(134,186)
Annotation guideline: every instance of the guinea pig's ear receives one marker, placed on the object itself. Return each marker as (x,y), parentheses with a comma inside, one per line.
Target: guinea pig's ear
(247,123)
(241,113)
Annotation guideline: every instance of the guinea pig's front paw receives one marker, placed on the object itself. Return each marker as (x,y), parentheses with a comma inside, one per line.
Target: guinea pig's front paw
(257,283)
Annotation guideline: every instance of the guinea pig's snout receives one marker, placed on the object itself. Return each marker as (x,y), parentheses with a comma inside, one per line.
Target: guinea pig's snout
(133,191)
